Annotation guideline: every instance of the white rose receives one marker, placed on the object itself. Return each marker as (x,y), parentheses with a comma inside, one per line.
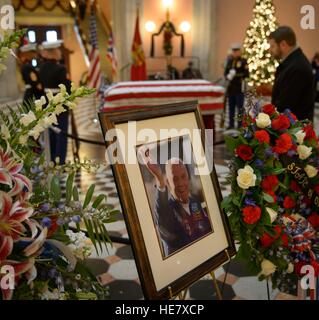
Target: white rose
(304,152)
(300,135)
(5,133)
(272,213)
(311,171)
(267,268)
(263,120)
(28,118)
(290,268)
(246,177)
(40,103)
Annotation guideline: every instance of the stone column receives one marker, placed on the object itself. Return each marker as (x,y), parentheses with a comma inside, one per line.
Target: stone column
(8,80)
(204,36)
(123,24)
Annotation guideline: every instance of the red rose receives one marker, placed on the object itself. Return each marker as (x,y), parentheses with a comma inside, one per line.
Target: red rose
(314,220)
(280,123)
(251,214)
(283,143)
(310,133)
(289,202)
(294,186)
(269,183)
(244,152)
(269,109)
(262,136)
(267,240)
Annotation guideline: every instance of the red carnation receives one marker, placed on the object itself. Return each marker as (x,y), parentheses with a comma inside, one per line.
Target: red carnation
(294,186)
(267,240)
(314,220)
(285,240)
(251,214)
(269,183)
(280,123)
(289,202)
(262,136)
(310,133)
(269,109)
(283,143)
(244,152)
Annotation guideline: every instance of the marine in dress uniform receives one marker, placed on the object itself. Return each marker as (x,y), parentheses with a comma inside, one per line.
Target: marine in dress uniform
(30,75)
(236,71)
(52,73)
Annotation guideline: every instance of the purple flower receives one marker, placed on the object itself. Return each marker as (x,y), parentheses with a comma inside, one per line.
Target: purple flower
(45,207)
(249,193)
(249,202)
(52,273)
(60,221)
(248,135)
(61,206)
(46,222)
(259,163)
(76,219)
(269,153)
(291,153)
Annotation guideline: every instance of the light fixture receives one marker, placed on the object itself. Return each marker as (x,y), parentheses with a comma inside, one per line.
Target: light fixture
(150,26)
(167,3)
(185,26)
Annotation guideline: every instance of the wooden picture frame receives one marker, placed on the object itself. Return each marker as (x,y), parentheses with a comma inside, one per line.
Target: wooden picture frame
(163,275)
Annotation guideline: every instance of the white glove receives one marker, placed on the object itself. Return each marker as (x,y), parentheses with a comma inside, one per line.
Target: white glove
(231,74)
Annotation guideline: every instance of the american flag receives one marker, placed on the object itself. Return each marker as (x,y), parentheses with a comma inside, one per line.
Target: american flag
(111,54)
(94,76)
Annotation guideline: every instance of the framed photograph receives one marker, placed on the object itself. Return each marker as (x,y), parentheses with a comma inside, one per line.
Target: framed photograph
(169,192)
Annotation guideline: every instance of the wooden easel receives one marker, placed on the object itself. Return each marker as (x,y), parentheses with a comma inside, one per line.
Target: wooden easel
(182,294)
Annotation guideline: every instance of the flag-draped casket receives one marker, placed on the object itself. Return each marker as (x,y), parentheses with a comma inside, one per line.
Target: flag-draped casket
(133,94)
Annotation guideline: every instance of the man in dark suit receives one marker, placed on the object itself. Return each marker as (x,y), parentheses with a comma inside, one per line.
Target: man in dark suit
(294,81)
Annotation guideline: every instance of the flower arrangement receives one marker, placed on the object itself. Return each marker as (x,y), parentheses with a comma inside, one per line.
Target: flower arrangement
(274,200)
(42,247)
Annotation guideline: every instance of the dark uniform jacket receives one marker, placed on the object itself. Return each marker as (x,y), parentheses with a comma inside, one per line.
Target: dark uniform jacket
(315,69)
(294,86)
(177,227)
(52,74)
(240,65)
(30,77)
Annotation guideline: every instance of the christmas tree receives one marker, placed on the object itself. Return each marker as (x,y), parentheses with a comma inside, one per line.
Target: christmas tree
(262,66)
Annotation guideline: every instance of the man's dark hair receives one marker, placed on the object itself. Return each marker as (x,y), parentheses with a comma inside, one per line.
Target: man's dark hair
(284,33)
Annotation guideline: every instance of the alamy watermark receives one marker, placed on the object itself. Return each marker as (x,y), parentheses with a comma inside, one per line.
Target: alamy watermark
(7,276)
(308,21)
(138,146)
(6,17)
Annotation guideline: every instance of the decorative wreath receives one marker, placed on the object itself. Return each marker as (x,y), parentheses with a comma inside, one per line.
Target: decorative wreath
(274,200)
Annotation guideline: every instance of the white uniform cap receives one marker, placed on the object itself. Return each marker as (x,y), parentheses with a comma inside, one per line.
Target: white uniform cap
(236,46)
(47,45)
(28,47)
